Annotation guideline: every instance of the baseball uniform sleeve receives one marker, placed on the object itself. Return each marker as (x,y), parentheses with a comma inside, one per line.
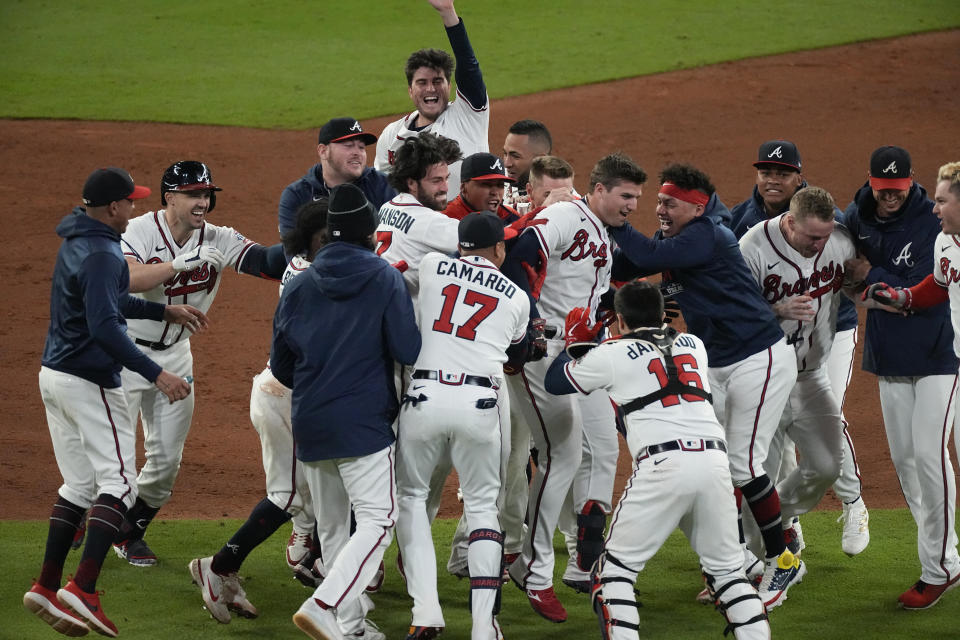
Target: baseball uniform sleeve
(99,278)
(442,234)
(591,372)
(135,241)
(382,160)
(470,85)
(137,308)
(751,250)
(282,357)
(694,245)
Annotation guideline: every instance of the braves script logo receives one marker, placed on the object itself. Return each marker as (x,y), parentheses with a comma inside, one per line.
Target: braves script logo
(356,127)
(582,248)
(905,257)
(826,280)
(892,167)
(776,153)
(203,278)
(950,274)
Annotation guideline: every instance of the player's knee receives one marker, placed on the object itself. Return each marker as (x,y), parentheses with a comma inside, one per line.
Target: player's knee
(737,600)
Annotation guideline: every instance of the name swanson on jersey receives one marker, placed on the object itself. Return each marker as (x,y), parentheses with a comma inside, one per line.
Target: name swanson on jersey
(482,276)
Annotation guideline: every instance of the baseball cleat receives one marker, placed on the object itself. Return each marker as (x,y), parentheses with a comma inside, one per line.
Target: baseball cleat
(793,538)
(545,603)
(87,606)
(237,598)
(423,633)
(369,631)
(44,604)
(856,527)
(317,622)
(212,588)
(923,595)
(298,548)
(779,575)
(580,586)
(309,573)
(136,552)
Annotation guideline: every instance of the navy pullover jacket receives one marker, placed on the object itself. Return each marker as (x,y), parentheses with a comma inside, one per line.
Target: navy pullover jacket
(338,329)
(900,248)
(720,300)
(751,211)
(88,301)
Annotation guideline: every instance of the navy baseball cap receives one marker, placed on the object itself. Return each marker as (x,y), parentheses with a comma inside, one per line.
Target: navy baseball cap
(780,152)
(890,169)
(482,229)
(483,166)
(104,186)
(342,129)
(350,216)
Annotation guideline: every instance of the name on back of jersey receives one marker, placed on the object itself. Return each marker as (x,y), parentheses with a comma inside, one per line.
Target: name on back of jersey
(637,349)
(827,279)
(485,277)
(395,218)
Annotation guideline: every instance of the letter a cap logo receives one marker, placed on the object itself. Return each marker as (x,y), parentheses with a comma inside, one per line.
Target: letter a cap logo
(483,166)
(779,153)
(343,129)
(890,168)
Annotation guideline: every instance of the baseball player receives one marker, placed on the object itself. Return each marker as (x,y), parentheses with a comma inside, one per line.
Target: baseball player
(472,318)
(93,440)
(287,491)
(779,177)
(903,246)
(526,140)
(465,120)
(681,476)
(341,148)
(568,251)
(413,224)
(483,181)
(175,255)
(344,403)
(752,369)
(797,260)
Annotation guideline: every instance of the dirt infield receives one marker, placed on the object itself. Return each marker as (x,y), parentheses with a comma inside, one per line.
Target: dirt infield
(837,104)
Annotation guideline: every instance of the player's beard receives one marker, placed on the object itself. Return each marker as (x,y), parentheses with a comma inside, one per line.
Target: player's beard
(434,202)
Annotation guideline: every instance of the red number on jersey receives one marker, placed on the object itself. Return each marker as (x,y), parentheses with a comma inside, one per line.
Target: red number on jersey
(686,372)
(468,330)
(384,238)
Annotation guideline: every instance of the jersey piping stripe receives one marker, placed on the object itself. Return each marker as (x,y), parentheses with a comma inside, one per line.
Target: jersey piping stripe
(569,374)
(596,276)
(243,254)
(163,235)
(477,264)
(944,463)
(623,499)
(843,398)
(756,417)
(293,473)
(470,104)
(116,442)
(535,519)
(394,203)
(383,534)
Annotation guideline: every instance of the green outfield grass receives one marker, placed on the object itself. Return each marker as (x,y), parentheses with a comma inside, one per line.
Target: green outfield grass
(840,598)
(293,64)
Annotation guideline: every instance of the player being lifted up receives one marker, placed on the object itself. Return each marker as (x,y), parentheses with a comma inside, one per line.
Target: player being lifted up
(472,319)
(752,369)
(464,120)
(681,476)
(174,254)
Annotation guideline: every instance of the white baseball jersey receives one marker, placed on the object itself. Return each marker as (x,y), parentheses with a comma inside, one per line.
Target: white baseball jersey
(148,240)
(408,231)
(946,271)
(469,314)
(460,121)
(577,247)
(630,368)
(782,272)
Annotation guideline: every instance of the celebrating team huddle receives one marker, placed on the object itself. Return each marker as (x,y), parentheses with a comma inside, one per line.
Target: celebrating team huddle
(449,309)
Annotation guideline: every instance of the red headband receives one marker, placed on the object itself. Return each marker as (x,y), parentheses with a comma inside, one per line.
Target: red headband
(687,195)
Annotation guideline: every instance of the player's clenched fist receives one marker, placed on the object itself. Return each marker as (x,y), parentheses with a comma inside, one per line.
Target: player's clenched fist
(172,386)
(193,259)
(189,316)
(883,293)
(796,308)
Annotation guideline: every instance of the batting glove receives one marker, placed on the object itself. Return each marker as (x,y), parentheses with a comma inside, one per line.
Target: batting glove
(898,298)
(193,259)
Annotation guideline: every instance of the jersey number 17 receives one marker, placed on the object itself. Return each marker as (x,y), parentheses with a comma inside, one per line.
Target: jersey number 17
(468,330)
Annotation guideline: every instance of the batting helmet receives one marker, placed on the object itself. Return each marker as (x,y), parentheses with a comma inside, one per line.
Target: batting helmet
(188,175)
